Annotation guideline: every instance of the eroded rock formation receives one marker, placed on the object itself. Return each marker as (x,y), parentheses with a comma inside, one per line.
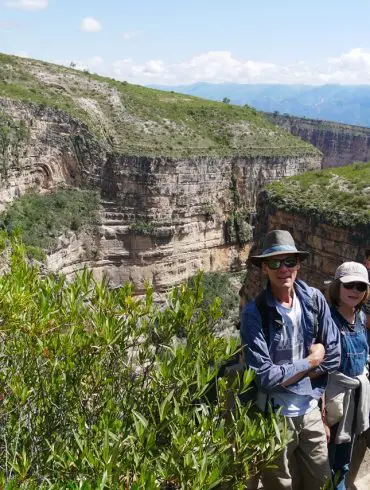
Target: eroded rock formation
(340,144)
(45,148)
(162,218)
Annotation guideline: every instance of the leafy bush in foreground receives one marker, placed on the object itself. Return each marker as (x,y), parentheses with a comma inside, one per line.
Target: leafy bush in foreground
(103,390)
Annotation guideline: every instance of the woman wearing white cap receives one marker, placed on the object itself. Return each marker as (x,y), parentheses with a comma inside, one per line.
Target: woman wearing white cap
(348,392)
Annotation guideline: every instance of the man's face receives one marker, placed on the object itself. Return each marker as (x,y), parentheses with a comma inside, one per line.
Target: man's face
(284,276)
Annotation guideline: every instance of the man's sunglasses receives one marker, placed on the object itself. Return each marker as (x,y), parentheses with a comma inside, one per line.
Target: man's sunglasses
(275,264)
(360,286)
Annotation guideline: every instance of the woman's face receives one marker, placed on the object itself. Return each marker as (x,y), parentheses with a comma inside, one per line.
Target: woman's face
(350,295)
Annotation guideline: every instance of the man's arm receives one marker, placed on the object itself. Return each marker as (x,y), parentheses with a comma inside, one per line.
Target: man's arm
(268,374)
(317,353)
(329,338)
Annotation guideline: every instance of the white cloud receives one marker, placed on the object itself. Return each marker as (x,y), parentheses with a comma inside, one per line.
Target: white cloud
(27,4)
(89,24)
(352,67)
(215,66)
(128,35)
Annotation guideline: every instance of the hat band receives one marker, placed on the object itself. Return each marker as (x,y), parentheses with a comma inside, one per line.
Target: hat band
(280,248)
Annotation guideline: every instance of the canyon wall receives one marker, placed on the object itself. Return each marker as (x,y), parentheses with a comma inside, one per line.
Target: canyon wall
(328,245)
(162,218)
(340,144)
(44,148)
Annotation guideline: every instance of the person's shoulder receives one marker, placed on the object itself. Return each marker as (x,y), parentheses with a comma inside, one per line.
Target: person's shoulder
(251,307)
(251,314)
(305,290)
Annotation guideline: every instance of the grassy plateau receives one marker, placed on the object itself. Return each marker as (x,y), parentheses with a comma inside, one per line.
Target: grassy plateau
(337,196)
(134,120)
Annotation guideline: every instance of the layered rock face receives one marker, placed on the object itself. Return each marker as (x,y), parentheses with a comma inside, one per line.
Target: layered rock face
(329,246)
(165,218)
(162,219)
(340,144)
(45,148)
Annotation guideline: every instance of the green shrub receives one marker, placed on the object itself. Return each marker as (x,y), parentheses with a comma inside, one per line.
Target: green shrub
(337,196)
(100,391)
(43,217)
(142,227)
(237,228)
(216,286)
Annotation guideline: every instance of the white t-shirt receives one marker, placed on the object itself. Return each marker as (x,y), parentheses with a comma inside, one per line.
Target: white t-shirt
(291,340)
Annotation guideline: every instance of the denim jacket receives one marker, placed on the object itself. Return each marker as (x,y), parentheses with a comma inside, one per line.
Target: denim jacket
(354,342)
(260,357)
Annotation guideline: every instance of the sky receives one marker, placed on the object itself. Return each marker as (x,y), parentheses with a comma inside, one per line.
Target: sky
(173,42)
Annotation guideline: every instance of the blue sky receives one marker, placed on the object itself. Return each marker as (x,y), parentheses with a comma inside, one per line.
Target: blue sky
(174,42)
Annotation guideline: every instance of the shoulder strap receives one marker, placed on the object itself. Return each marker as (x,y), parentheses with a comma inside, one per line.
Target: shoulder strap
(261,303)
(315,313)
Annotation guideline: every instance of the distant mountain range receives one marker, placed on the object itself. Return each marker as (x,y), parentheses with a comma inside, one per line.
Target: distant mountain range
(349,104)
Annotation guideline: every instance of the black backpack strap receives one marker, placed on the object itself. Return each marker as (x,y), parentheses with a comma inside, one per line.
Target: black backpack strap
(315,313)
(264,311)
(269,315)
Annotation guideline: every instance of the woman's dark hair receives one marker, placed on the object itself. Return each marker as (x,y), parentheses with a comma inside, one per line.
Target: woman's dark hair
(334,295)
(243,293)
(367,254)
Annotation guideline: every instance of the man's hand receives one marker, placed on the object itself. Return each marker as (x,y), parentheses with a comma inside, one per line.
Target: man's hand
(317,353)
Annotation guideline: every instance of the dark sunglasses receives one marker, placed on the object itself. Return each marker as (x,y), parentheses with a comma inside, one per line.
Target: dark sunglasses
(360,286)
(275,264)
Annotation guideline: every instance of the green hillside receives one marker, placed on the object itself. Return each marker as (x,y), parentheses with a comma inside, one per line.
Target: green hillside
(134,120)
(338,196)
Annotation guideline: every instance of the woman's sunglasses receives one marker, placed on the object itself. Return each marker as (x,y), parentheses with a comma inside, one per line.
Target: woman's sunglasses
(275,264)
(360,286)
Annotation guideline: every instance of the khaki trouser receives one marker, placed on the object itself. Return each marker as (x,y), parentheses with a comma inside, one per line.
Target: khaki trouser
(303,464)
(359,449)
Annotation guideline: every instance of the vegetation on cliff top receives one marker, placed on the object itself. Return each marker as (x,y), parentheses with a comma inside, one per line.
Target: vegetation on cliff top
(43,218)
(337,196)
(134,120)
(102,390)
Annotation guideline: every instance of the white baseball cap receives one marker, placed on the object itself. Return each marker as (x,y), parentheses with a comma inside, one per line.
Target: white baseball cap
(352,272)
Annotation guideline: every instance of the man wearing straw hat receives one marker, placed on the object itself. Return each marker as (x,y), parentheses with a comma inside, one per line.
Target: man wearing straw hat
(291,343)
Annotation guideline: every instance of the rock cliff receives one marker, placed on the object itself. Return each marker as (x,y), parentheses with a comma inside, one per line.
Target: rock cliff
(178,176)
(162,218)
(340,144)
(43,148)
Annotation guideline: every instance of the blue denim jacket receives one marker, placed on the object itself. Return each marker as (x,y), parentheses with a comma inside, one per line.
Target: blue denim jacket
(354,342)
(260,357)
